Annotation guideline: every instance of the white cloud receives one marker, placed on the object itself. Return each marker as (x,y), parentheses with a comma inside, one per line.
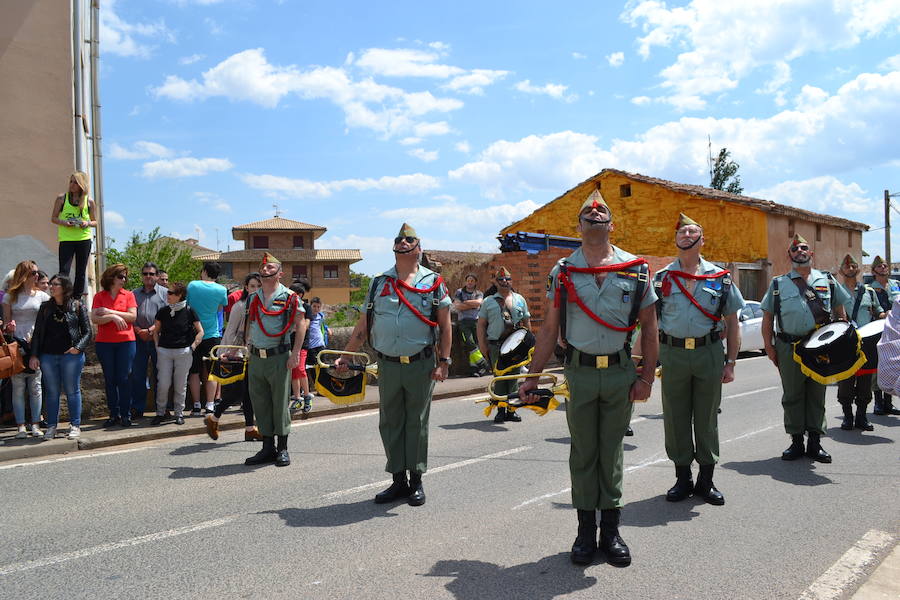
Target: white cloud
(424,155)
(463,147)
(451,215)
(890,64)
(781,77)
(641,100)
(825,194)
(615,59)
(248,76)
(410,141)
(721,43)
(554,90)
(140,150)
(275,186)
(113,219)
(405,63)
(213,200)
(122,38)
(475,81)
(189,60)
(579,56)
(185,167)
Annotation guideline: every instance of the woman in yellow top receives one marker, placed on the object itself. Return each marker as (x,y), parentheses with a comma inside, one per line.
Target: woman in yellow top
(74,214)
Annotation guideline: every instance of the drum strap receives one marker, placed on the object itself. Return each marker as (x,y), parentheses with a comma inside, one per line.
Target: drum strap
(816,305)
(861,289)
(884,299)
(508,325)
(370,307)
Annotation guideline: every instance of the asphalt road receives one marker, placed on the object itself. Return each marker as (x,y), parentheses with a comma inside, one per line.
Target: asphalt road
(187,519)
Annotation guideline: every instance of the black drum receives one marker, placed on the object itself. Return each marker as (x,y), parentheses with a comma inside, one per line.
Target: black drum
(831,353)
(515,351)
(869,335)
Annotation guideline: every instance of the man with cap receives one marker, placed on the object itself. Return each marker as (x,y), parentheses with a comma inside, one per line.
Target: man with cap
(697,304)
(796,303)
(598,295)
(861,310)
(273,313)
(502,313)
(406,308)
(886,290)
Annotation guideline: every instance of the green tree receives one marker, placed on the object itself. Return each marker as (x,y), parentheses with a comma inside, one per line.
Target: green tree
(168,254)
(723,175)
(361,282)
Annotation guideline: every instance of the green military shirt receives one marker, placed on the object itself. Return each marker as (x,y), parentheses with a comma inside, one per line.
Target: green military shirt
(868,304)
(610,301)
(273,324)
(796,317)
(678,315)
(893,292)
(490,310)
(396,331)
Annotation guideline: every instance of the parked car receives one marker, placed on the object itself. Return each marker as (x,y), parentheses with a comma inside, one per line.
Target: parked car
(750,319)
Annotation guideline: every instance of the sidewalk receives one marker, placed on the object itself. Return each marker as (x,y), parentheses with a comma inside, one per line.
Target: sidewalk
(93,435)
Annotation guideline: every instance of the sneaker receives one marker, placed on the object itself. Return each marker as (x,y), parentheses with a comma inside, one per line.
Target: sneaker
(179,420)
(21,434)
(157,420)
(295,403)
(36,431)
(307,404)
(210,408)
(74,432)
(50,433)
(196,411)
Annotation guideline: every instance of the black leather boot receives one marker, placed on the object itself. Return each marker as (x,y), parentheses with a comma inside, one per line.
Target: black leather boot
(684,485)
(705,487)
(878,409)
(795,450)
(416,492)
(282,458)
(889,406)
(513,416)
(398,489)
(266,455)
(629,431)
(847,421)
(585,543)
(611,543)
(814,449)
(861,422)
(500,417)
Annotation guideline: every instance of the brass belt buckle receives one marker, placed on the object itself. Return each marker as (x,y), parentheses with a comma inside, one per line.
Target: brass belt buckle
(690,343)
(262,353)
(602,362)
(404,360)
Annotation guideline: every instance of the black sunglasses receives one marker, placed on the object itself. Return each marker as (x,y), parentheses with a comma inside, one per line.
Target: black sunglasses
(408,238)
(170,293)
(148,274)
(504,279)
(121,276)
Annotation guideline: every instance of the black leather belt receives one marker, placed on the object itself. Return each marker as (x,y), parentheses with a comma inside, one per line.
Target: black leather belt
(426,352)
(597,361)
(688,343)
(789,339)
(267,352)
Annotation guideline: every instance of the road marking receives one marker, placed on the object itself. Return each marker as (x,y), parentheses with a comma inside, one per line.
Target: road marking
(75,457)
(441,469)
(646,463)
(136,541)
(849,568)
(751,392)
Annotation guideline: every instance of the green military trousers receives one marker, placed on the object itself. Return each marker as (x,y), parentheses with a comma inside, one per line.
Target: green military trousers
(507,386)
(691,394)
(598,411)
(803,399)
(404,392)
(269,381)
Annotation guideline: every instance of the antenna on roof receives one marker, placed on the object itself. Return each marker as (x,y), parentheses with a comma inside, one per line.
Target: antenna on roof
(277,210)
(709,158)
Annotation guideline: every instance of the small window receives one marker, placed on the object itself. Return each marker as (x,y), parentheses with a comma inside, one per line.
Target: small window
(298,271)
(331,272)
(790,228)
(260,241)
(818,232)
(849,239)
(298,241)
(625,190)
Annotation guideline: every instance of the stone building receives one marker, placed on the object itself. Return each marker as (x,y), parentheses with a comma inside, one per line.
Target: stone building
(293,243)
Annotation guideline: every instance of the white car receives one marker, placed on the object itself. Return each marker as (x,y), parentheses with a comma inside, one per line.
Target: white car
(750,319)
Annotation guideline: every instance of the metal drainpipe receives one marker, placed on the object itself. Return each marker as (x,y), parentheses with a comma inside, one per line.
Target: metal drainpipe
(97,137)
(78,74)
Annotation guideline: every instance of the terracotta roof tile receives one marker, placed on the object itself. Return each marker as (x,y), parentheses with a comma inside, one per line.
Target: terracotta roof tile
(277,223)
(299,255)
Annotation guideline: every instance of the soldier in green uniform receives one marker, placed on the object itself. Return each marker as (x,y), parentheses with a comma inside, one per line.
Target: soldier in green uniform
(862,309)
(886,290)
(406,308)
(598,295)
(797,303)
(697,304)
(273,311)
(500,314)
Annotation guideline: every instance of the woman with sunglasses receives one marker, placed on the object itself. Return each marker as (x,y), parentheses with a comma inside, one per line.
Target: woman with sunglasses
(114,311)
(62,332)
(20,308)
(177,332)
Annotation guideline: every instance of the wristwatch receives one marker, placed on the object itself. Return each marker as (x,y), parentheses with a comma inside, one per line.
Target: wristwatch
(730,362)
(445,359)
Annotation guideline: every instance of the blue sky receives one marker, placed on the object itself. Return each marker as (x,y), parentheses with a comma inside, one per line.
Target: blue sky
(461,117)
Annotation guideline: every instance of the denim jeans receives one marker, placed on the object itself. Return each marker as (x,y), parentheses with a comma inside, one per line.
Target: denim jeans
(62,372)
(144,352)
(116,359)
(26,385)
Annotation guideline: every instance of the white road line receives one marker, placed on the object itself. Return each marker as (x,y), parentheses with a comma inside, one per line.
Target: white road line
(456,465)
(751,392)
(849,568)
(136,541)
(646,463)
(74,457)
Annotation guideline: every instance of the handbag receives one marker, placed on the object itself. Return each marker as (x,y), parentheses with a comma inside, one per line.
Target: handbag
(10,359)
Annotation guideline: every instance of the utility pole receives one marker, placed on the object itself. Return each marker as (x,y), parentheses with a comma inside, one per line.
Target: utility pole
(887,231)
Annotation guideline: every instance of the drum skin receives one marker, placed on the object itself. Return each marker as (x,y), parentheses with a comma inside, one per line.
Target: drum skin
(515,351)
(831,353)
(869,335)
